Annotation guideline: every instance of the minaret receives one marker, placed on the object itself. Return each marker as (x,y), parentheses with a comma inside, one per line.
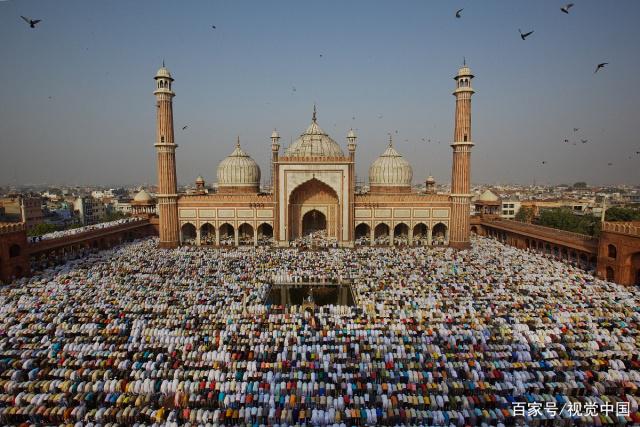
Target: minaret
(275,150)
(461,169)
(167,188)
(351,138)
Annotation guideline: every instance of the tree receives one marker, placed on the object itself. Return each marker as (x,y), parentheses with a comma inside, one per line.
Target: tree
(580,185)
(564,219)
(618,213)
(41,229)
(524,214)
(112,216)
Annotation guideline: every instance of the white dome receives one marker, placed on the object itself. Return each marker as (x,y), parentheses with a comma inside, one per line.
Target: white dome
(238,170)
(488,196)
(314,142)
(163,73)
(431,179)
(390,170)
(142,197)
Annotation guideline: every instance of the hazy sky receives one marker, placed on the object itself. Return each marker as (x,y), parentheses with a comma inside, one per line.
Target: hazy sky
(77,104)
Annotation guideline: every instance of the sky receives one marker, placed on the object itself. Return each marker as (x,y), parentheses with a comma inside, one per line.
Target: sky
(77,104)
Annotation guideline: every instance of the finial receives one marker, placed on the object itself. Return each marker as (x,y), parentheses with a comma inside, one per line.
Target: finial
(162,62)
(238,142)
(390,140)
(314,113)
(464,61)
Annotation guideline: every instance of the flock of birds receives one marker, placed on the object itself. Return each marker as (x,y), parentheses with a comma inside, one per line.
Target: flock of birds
(523,36)
(564,9)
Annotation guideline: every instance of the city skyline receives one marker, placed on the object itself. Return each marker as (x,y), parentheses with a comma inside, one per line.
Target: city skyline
(80,106)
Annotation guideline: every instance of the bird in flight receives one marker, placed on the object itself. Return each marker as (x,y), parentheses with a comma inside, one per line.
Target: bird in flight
(566,8)
(294,88)
(600,65)
(524,36)
(566,141)
(609,164)
(32,22)
(213,26)
(637,152)
(584,141)
(184,127)
(320,55)
(458,15)
(576,129)
(353,118)
(544,162)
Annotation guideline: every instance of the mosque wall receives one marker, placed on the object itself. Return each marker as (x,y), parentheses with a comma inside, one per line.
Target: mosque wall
(14,259)
(619,253)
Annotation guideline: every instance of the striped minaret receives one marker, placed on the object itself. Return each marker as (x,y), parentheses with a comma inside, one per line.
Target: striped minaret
(461,169)
(167,187)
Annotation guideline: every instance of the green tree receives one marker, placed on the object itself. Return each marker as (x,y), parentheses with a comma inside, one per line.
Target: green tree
(618,213)
(564,219)
(524,214)
(41,229)
(112,216)
(580,184)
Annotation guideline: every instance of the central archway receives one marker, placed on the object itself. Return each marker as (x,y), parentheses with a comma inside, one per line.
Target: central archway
(313,221)
(313,206)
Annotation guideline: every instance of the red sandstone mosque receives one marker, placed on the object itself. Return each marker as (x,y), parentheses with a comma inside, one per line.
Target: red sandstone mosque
(313,189)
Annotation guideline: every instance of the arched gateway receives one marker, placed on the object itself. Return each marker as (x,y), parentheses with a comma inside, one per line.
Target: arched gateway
(313,206)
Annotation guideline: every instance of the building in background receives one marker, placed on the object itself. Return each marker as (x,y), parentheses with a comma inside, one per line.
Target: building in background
(89,210)
(510,208)
(23,208)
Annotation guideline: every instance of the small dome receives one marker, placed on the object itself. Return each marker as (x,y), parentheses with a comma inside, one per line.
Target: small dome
(199,180)
(351,134)
(275,134)
(142,197)
(238,170)
(390,170)
(163,73)
(488,196)
(431,179)
(314,142)
(464,71)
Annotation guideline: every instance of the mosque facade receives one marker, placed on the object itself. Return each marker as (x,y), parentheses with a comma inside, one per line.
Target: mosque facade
(313,190)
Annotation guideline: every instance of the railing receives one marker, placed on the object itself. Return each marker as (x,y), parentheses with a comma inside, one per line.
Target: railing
(630,228)
(89,234)
(540,230)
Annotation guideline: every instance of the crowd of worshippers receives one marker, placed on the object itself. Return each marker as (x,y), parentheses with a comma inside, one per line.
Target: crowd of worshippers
(317,239)
(140,335)
(73,231)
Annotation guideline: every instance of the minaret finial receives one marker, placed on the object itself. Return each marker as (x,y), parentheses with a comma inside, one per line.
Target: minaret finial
(238,142)
(464,61)
(314,113)
(162,62)
(390,140)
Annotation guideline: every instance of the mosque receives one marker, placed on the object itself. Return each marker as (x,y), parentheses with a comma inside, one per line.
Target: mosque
(313,190)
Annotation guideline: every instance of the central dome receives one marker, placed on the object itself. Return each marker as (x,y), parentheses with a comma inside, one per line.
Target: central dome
(314,142)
